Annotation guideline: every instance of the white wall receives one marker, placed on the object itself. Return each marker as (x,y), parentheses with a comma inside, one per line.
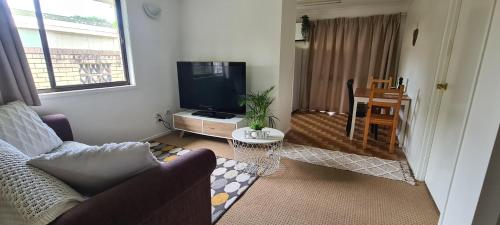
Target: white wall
(238,30)
(419,64)
(287,62)
(479,137)
(352,10)
(127,113)
(243,30)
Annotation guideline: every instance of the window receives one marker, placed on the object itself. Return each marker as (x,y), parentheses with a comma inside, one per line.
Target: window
(72,44)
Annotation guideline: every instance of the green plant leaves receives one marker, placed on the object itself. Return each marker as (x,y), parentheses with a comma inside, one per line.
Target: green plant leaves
(258,114)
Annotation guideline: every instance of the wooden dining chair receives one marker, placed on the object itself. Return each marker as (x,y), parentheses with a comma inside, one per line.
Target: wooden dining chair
(373,117)
(386,84)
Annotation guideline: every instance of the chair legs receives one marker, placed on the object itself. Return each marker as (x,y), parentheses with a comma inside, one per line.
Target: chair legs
(365,133)
(393,140)
(348,126)
(374,130)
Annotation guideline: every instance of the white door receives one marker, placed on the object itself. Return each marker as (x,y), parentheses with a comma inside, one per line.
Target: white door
(468,47)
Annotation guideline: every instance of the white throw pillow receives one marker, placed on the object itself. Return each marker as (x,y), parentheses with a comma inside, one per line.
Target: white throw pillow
(21,127)
(69,146)
(28,195)
(97,168)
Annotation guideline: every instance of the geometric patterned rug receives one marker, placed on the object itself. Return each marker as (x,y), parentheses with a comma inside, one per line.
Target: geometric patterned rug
(390,169)
(228,181)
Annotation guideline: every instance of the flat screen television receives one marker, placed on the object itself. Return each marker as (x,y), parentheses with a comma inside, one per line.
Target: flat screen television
(212,86)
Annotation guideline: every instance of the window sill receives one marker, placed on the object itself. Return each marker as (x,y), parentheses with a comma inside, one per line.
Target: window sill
(93,91)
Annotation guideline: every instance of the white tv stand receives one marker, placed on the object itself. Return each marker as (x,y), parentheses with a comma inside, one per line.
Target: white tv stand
(222,128)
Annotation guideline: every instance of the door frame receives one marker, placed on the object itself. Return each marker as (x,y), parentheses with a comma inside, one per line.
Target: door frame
(491,12)
(436,96)
(445,54)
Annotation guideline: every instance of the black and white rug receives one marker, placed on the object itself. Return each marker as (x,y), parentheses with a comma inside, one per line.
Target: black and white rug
(229,181)
(390,169)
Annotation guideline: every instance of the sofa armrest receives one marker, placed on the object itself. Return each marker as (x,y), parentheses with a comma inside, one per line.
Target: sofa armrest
(177,192)
(60,124)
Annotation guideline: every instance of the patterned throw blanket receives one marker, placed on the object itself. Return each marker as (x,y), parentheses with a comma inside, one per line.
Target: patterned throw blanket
(28,195)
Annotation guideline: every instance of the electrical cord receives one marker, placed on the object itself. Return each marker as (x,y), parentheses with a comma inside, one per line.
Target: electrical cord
(163,119)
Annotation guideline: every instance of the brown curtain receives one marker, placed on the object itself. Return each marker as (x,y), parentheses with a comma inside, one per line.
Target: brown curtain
(301,70)
(16,81)
(350,48)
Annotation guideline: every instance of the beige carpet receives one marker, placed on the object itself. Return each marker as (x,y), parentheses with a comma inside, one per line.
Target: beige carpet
(303,193)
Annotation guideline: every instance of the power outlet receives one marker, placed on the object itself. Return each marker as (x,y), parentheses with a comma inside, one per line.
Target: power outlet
(163,119)
(158,117)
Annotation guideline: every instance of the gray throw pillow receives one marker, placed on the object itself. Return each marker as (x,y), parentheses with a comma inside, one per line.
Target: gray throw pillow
(96,168)
(21,127)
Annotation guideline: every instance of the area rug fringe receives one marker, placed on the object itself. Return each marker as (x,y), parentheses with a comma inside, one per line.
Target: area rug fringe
(390,169)
(408,175)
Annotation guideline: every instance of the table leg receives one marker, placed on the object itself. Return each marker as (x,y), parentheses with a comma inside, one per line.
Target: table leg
(353,120)
(401,135)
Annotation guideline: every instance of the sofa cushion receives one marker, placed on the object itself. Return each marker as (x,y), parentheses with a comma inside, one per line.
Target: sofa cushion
(29,195)
(21,127)
(69,146)
(97,168)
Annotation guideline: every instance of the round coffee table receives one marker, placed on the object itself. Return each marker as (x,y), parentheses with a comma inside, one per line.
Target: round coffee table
(262,155)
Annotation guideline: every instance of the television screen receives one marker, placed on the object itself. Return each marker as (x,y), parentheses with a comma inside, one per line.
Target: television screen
(213,86)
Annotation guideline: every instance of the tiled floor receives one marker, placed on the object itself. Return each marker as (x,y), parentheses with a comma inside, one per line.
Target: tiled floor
(324,131)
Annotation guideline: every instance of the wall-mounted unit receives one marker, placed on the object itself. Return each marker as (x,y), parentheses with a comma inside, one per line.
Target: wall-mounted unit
(317,2)
(298,32)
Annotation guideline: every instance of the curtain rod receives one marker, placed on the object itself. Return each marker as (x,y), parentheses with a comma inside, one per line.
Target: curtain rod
(353,16)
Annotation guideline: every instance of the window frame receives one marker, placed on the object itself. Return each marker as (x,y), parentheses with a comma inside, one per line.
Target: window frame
(48,60)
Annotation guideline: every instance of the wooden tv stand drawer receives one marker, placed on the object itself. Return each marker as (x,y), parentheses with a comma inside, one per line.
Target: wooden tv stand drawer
(223,128)
(188,124)
(218,129)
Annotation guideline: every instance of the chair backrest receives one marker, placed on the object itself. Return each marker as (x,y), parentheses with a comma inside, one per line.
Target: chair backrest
(396,94)
(385,83)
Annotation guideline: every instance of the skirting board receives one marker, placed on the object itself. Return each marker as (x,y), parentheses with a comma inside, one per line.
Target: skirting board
(156,136)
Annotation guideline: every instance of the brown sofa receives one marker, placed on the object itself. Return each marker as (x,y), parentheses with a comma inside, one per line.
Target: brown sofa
(176,193)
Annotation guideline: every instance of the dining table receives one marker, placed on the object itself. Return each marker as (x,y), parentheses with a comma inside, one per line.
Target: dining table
(362,95)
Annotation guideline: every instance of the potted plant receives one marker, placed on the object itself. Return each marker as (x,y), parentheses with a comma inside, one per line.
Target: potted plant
(258,114)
